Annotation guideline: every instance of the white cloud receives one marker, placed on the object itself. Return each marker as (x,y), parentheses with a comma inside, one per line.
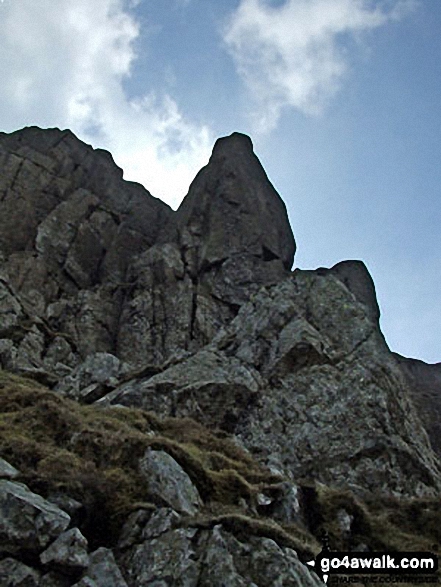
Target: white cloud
(63,64)
(293,55)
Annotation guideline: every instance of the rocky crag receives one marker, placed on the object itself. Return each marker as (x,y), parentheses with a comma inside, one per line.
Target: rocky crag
(180,407)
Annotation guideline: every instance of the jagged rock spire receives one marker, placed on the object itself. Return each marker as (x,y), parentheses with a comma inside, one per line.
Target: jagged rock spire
(233,209)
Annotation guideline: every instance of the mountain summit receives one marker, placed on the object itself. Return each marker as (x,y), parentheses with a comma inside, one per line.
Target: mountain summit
(176,399)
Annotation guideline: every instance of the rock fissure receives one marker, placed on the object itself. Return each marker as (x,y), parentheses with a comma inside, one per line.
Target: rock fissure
(15,176)
(351,356)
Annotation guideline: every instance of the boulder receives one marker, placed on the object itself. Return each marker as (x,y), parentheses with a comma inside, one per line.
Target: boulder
(102,571)
(7,471)
(28,523)
(209,386)
(190,557)
(167,482)
(68,553)
(14,573)
(92,378)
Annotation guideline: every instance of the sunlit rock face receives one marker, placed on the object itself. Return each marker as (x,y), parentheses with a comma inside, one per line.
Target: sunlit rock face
(110,298)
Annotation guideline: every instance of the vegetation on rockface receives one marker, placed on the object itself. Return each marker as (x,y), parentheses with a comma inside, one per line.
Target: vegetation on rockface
(379,522)
(92,454)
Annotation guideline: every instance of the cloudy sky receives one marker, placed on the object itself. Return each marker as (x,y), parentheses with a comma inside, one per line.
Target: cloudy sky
(342,99)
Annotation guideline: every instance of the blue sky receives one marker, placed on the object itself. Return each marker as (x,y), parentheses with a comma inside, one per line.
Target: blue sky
(342,99)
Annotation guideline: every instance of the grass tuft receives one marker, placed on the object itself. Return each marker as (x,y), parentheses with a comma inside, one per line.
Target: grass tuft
(92,454)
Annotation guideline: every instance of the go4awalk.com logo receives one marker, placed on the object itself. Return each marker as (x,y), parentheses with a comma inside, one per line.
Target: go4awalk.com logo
(376,563)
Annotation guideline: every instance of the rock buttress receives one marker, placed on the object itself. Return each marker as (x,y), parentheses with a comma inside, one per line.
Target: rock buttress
(230,237)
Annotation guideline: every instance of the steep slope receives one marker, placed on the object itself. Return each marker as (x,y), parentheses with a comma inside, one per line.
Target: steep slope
(120,497)
(303,361)
(69,227)
(110,298)
(80,274)
(424,382)
(229,237)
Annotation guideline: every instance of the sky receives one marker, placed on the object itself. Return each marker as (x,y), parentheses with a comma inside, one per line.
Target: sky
(342,99)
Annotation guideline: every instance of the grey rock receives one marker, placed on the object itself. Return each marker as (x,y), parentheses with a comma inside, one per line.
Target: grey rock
(334,399)
(357,279)
(271,564)
(102,571)
(231,209)
(218,567)
(86,582)
(68,504)
(344,521)
(107,268)
(169,558)
(27,522)
(54,579)
(8,354)
(30,351)
(163,520)
(90,380)
(65,249)
(7,471)
(230,236)
(156,315)
(167,482)
(132,529)
(214,558)
(109,297)
(11,310)
(57,164)
(210,386)
(424,381)
(285,504)
(60,357)
(68,553)
(303,360)
(14,573)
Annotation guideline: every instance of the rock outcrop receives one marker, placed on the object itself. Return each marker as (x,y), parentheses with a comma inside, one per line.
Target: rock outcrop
(69,227)
(169,325)
(424,382)
(303,360)
(229,237)
(91,263)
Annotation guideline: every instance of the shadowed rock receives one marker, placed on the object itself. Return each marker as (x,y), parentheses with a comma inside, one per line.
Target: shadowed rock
(357,279)
(230,237)
(28,522)
(69,228)
(424,382)
(232,209)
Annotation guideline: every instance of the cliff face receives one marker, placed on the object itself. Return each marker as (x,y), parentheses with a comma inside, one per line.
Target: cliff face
(109,298)
(424,382)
